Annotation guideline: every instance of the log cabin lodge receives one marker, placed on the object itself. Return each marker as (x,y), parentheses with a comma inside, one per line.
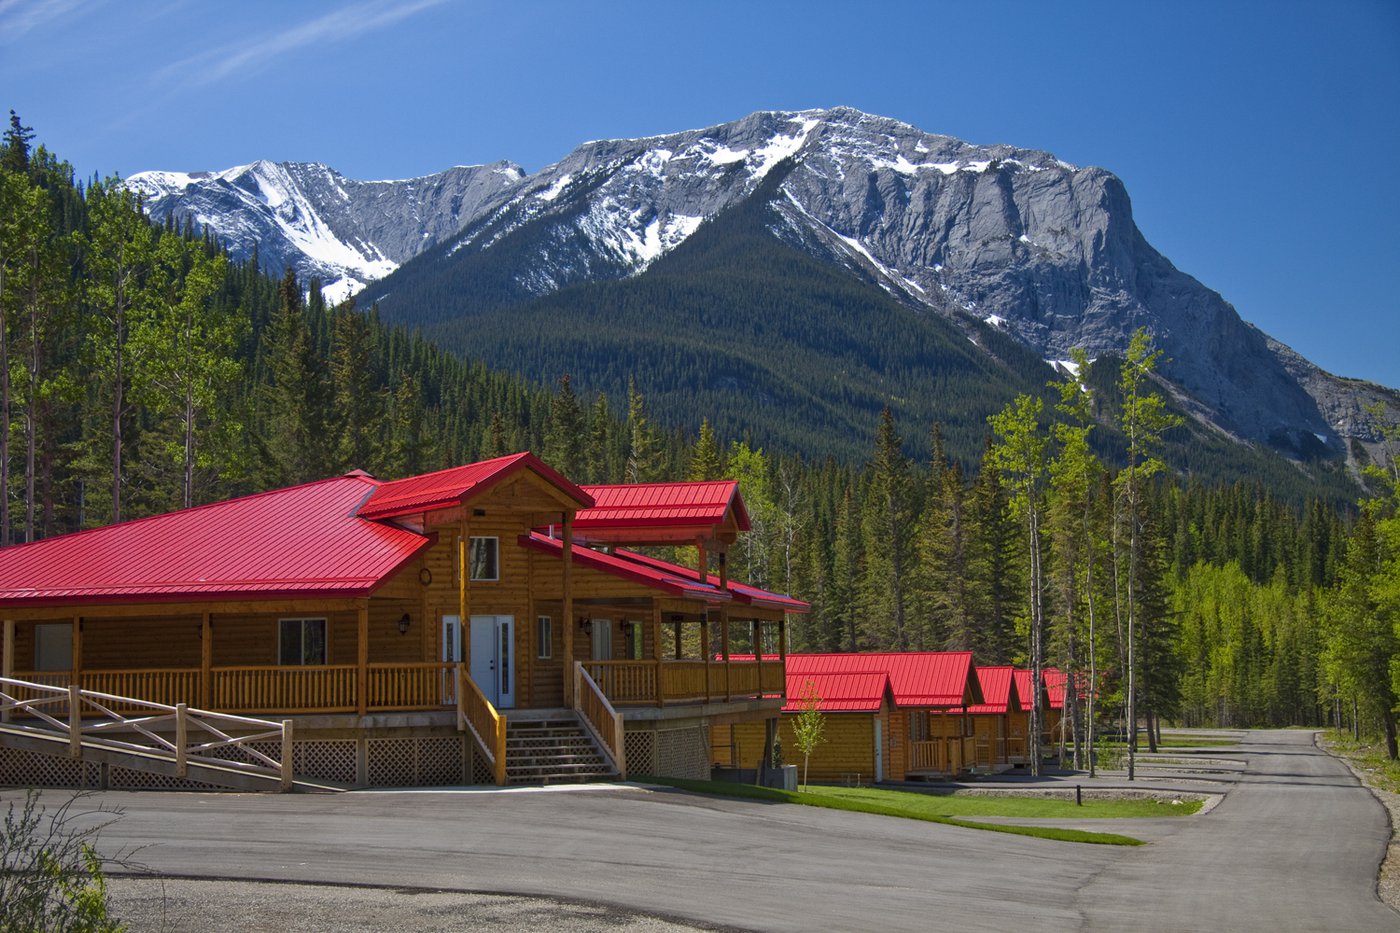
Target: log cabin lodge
(481,624)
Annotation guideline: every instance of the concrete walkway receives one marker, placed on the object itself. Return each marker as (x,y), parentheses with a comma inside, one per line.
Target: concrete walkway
(1294,845)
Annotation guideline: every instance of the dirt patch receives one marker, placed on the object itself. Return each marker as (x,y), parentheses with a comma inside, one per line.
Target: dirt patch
(1388,881)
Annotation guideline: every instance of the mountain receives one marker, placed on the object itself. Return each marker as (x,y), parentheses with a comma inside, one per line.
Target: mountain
(310,217)
(903,238)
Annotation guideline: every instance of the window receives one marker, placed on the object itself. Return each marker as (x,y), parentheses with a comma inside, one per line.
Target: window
(484,561)
(632,632)
(301,641)
(545,626)
(53,646)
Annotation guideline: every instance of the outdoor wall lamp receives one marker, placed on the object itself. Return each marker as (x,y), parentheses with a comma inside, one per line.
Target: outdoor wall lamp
(403,624)
(587,625)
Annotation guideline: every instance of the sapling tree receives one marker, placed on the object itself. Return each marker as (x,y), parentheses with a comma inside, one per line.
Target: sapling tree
(809,728)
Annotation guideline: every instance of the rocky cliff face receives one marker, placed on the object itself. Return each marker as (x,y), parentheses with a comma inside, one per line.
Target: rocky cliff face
(1016,238)
(310,217)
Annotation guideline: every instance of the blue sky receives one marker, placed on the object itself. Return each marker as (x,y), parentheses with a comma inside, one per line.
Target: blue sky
(1257,139)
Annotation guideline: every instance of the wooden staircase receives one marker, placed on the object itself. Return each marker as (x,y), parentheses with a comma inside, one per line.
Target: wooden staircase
(552,747)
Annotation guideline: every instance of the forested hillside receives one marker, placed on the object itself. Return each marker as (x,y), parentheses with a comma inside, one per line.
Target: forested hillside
(141,371)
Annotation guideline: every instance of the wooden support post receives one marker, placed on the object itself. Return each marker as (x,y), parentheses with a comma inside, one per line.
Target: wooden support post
(464,570)
(724,648)
(75,721)
(7,664)
(182,740)
(288,755)
(568,610)
(656,651)
(782,651)
(676,636)
(206,662)
(705,651)
(77,669)
(704,560)
(723,570)
(756,627)
(362,659)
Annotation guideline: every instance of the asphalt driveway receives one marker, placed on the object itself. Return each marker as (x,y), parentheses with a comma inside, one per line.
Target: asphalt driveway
(1293,846)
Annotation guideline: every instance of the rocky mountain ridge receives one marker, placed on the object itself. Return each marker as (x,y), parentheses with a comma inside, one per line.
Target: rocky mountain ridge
(1014,238)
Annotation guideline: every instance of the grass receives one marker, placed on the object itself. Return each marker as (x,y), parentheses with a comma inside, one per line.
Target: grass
(948,809)
(1368,757)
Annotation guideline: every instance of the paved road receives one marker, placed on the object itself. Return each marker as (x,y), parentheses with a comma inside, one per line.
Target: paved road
(1293,846)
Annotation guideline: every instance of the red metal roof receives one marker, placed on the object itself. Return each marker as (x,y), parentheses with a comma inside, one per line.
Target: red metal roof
(658,513)
(749,595)
(1055,686)
(620,564)
(999,693)
(303,540)
(455,485)
(1023,686)
(917,678)
(849,692)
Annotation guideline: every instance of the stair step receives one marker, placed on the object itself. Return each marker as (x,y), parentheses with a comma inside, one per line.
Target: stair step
(553,749)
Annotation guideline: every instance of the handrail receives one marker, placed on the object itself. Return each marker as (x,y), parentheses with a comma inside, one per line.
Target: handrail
(72,702)
(476,713)
(598,715)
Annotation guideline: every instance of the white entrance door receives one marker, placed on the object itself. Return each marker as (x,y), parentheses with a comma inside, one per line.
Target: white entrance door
(493,643)
(602,640)
(451,653)
(879,753)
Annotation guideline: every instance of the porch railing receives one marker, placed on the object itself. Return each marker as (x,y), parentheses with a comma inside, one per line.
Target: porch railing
(273,688)
(91,718)
(600,718)
(476,714)
(659,683)
(326,688)
(948,756)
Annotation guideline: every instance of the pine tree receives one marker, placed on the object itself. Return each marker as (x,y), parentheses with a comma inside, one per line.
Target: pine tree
(296,446)
(1143,420)
(360,399)
(120,252)
(643,448)
(704,460)
(566,441)
(888,527)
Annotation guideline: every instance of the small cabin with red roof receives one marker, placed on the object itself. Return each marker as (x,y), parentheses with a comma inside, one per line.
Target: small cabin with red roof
(884,721)
(412,627)
(997,744)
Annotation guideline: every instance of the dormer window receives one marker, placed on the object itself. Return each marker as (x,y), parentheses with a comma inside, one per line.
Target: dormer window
(485,559)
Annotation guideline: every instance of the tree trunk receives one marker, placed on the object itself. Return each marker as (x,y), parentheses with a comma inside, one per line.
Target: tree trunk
(1388,718)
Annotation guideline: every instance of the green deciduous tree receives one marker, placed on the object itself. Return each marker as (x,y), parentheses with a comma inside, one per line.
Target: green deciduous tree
(809,726)
(1020,455)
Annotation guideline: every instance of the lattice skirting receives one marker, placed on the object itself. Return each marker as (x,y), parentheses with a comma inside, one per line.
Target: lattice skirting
(20,768)
(683,753)
(416,762)
(421,761)
(641,752)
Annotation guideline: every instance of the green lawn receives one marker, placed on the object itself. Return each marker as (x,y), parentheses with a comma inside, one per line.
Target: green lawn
(951,809)
(1367,757)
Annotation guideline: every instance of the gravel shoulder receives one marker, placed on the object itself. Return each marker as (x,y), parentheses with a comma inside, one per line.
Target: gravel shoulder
(1388,879)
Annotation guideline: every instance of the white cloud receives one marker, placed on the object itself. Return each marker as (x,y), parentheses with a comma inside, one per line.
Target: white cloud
(254,52)
(19,17)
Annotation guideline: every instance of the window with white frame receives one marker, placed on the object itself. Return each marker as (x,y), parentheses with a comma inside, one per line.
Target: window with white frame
(545,627)
(301,641)
(485,559)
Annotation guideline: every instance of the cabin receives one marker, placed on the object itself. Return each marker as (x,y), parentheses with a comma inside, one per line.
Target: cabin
(998,744)
(1051,716)
(440,629)
(886,719)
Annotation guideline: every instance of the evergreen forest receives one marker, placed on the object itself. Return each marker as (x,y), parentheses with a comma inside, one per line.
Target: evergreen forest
(1083,524)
